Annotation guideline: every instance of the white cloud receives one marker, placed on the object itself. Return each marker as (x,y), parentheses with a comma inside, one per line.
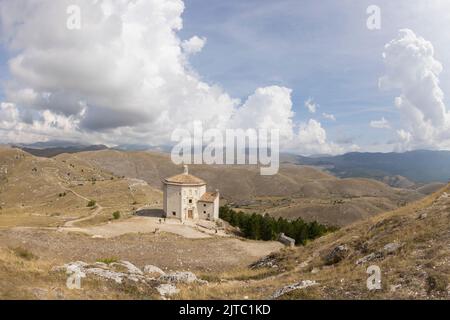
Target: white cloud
(267,108)
(412,68)
(312,139)
(380,124)
(193,45)
(329,116)
(124,77)
(311,105)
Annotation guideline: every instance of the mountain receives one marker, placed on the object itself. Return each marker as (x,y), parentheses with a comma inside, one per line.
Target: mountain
(43,150)
(420,166)
(296,191)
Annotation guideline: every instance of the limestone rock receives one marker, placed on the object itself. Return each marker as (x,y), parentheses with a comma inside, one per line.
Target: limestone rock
(167,290)
(150,269)
(180,277)
(299,285)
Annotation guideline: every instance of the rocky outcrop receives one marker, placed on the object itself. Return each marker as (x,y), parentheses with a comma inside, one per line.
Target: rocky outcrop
(296,286)
(124,271)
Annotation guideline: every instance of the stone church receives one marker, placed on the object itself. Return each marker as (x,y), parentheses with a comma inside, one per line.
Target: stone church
(185,198)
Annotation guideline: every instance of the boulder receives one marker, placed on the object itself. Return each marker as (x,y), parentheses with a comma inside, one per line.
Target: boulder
(299,285)
(392,247)
(369,257)
(149,269)
(336,255)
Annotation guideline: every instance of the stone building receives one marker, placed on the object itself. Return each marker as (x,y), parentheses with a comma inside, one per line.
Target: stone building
(185,198)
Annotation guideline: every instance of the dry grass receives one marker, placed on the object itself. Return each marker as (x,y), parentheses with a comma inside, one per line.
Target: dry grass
(418,270)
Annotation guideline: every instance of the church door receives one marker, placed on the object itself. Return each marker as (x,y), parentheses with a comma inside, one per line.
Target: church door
(190,214)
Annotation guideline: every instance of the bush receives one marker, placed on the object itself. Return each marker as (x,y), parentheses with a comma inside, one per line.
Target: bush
(92,203)
(267,228)
(116,215)
(23,253)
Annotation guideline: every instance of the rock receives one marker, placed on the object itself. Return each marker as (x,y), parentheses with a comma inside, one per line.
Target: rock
(304,264)
(40,293)
(336,255)
(102,270)
(423,216)
(129,266)
(299,285)
(180,277)
(149,269)
(394,288)
(369,257)
(315,270)
(167,290)
(267,262)
(392,247)
(106,274)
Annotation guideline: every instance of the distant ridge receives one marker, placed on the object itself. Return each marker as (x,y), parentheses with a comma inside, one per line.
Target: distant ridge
(54,151)
(421,166)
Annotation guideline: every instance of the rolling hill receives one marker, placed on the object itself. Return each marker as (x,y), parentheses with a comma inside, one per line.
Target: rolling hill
(296,191)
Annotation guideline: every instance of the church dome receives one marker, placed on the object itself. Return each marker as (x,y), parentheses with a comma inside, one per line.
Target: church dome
(185,179)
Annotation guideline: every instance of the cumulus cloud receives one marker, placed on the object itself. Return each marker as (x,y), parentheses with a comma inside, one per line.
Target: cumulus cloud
(412,69)
(194,45)
(311,105)
(124,77)
(329,116)
(380,124)
(312,139)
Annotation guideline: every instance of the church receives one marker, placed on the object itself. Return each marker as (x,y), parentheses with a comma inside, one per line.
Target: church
(185,198)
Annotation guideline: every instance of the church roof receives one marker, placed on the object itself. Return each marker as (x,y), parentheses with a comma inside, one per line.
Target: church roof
(185,178)
(209,197)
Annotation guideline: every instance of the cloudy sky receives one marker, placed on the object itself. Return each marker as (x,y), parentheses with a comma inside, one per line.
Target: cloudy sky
(138,69)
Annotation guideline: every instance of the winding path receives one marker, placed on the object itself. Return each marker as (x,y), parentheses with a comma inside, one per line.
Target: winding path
(98,210)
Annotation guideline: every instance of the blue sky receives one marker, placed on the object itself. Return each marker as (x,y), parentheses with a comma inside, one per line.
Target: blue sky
(320,50)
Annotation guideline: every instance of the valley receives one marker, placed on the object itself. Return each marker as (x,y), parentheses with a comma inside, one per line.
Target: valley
(61,212)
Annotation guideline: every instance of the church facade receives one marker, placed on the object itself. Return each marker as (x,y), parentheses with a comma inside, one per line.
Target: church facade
(186,198)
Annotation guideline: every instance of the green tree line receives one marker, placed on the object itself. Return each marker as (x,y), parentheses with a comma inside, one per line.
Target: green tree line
(259,227)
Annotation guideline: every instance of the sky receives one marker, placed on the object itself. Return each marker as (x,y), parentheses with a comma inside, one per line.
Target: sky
(136,70)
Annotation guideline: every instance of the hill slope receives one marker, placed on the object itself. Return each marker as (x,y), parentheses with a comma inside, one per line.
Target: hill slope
(411,246)
(296,191)
(42,192)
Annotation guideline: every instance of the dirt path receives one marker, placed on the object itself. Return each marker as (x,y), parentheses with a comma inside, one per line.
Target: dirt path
(98,210)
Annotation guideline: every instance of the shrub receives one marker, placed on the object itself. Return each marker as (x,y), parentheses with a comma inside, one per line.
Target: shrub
(116,215)
(23,253)
(91,203)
